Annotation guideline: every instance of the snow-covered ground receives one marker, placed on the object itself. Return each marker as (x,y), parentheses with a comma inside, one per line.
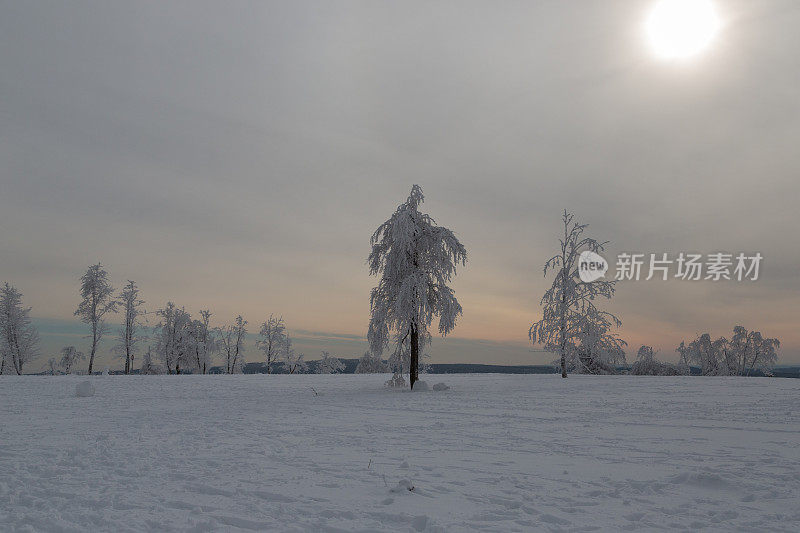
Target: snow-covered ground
(493,453)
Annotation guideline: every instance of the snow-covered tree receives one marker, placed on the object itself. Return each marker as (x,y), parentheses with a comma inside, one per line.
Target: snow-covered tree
(745,352)
(329,364)
(598,350)
(272,340)
(129,333)
(415,259)
(18,336)
(709,355)
(98,300)
(646,364)
(371,364)
(571,325)
(231,339)
(69,358)
(203,342)
(52,366)
(752,351)
(293,363)
(684,362)
(172,337)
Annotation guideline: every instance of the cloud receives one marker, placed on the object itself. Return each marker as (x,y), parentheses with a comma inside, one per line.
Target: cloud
(238,157)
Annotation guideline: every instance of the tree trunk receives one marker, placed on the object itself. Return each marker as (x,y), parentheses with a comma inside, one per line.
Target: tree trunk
(413,370)
(563,331)
(94,347)
(565,269)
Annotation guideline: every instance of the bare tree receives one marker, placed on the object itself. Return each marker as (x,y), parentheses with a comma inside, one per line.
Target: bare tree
(568,306)
(19,339)
(416,259)
(98,300)
(129,333)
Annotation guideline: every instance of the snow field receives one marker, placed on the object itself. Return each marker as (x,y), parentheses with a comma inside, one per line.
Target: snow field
(493,453)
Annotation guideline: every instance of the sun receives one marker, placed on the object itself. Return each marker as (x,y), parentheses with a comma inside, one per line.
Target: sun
(681,28)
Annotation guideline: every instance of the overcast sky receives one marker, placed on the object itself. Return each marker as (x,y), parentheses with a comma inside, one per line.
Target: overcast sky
(237,156)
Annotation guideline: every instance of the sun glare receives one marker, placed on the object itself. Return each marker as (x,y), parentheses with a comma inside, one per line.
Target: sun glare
(681,28)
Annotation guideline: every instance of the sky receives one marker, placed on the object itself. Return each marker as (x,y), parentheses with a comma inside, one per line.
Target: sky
(237,156)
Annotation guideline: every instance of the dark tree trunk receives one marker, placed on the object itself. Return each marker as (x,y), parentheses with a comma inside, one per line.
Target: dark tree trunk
(94,349)
(414,366)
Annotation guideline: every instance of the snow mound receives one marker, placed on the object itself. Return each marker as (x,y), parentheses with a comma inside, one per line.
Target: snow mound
(441,386)
(402,486)
(421,386)
(84,389)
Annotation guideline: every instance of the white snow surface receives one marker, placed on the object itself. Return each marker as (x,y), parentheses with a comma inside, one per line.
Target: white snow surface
(84,389)
(493,453)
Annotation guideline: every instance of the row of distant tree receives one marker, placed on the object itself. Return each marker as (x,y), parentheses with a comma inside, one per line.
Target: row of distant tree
(177,343)
(582,334)
(415,260)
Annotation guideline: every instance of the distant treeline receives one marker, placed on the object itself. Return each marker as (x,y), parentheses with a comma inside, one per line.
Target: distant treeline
(350,366)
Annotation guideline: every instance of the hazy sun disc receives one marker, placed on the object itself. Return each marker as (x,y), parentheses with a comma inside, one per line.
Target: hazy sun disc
(681,28)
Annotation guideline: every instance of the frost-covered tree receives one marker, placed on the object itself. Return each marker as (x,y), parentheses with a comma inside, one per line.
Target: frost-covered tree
(740,347)
(293,363)
(272,340)
(231,339)
(745,352)
(19,338)
(646,364)
(69,358)
(52,366)
(710,355)
(751,351)
(329,364)
(598,350)
(172,337)
(371,364)
(202,341)
(684,362)
(98,300)
(570,317)
(129,333)
(415,259)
